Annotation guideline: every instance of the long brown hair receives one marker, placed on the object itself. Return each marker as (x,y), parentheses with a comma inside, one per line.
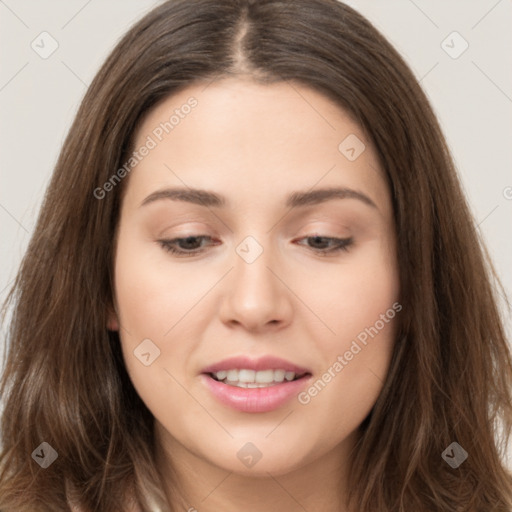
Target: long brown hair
(65,382)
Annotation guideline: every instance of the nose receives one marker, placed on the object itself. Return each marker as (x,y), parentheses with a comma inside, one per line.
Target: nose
(255,295)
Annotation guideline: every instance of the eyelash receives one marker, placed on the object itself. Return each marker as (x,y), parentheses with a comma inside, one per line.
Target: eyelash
(343,244)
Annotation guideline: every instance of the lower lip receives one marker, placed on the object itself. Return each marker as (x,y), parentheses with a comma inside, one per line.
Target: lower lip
(255,399)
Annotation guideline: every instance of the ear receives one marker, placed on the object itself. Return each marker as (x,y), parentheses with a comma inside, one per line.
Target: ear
(112,320)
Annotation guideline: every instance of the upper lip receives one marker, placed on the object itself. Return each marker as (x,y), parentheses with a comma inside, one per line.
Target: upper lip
(261,363)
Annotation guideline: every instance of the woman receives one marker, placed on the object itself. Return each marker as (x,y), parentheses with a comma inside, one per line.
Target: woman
(334,345)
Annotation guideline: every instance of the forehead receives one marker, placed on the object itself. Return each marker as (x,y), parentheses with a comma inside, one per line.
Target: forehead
(254,137)
(236,107)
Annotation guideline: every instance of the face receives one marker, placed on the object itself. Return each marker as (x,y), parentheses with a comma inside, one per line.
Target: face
(265,266)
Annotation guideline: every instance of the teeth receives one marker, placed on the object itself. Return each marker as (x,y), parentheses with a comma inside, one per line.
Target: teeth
(245,378)
(263,377)
(232,375)
(279,375)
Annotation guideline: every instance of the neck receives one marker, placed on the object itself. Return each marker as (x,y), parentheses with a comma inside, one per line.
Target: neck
(196,485)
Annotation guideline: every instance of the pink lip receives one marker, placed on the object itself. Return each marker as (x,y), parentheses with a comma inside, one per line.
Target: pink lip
(263,363)
(254,399)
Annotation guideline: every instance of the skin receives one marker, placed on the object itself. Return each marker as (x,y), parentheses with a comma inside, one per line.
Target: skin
(255,144)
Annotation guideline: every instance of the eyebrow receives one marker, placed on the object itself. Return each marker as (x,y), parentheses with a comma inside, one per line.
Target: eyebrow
(294,200)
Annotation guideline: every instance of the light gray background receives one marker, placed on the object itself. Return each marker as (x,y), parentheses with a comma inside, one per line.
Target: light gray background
(472,96)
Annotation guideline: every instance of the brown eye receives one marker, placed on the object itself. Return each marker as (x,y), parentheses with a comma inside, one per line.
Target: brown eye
(325,244)
(184,246)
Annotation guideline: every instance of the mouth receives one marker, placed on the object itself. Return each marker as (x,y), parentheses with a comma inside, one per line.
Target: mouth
(254,385)
(252,379)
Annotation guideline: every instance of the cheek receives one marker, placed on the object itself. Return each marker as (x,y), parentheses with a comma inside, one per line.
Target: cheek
(152,314)
(361,307)
(353,295)
(150,300)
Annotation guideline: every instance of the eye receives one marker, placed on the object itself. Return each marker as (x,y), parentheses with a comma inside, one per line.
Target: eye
(190,242)
(336,244)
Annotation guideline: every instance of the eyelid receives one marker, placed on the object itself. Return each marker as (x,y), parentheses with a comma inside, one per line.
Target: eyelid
(191,228)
